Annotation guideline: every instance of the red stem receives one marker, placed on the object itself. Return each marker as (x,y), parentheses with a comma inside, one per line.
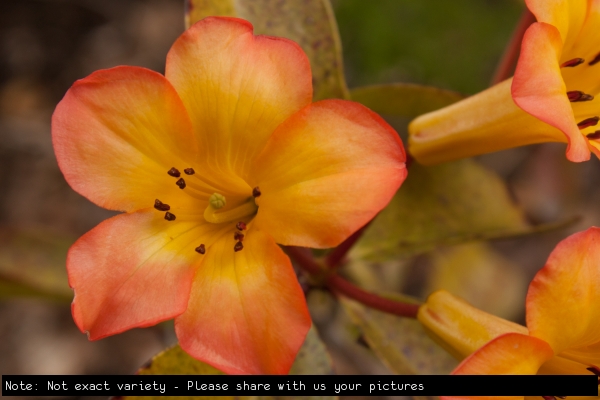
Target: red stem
(337,255)
(340,286)
(506,67)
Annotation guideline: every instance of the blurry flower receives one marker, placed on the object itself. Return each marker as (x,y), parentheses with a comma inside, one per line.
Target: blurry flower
(214,163)
(552,97)
(562,314)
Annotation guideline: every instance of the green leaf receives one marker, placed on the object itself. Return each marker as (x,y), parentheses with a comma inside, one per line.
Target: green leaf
(401,343)
(33,263)
(310,23)
(312,359)
(442,205)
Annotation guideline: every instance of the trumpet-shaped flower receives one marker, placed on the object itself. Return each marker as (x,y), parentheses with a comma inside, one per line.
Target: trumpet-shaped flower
(562,315)
(553,96)
(213,164)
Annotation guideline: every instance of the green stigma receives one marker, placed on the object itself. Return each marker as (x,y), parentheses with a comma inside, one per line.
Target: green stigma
(217,201)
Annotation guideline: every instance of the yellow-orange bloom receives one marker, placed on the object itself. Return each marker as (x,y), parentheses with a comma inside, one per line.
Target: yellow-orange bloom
(213,164)
(553,96)
(562,314)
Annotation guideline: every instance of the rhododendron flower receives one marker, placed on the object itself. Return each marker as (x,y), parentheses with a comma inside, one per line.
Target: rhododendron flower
(562,314)
(552,97)
(213,164)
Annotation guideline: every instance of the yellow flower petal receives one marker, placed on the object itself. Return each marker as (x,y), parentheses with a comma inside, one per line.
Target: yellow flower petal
(325,173)
(508,354)
(564,297)
(459,327)
(117,132)
(237,88)
(486,122)
(247,313)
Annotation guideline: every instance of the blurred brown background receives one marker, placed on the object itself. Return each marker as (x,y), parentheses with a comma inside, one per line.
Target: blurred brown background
(45,45)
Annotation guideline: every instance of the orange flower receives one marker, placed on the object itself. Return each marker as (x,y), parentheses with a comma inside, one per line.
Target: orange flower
(552,97)
(563,319)
(213,164)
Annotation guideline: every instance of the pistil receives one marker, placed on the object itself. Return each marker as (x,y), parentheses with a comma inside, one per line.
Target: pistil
(217,201)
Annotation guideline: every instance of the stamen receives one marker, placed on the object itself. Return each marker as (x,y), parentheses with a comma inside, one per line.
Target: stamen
(201,249)
(572,63)
(174,172)
(169,216)
(586,123)
(160,206)
(238,236)
(256,192)
(181,183)
(189,171)
(577,95)
(238,246)
(593,136)
(240,226)
(596,60)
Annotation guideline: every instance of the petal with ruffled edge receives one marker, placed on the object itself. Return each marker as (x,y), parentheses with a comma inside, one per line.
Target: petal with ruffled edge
(117,132)
(509,354)
(459,327)
(133,270)
(563,298)
(247,313)
(325,173)
(237,88)
(567,16)
(538,86)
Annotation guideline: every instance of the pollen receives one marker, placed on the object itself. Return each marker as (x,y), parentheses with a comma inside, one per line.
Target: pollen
(240,226)
(160,206)
(238,236)
(586,123)
(256,192)
(189,171)
(217,200)
(181,183)
(169,216)
(577,95)
(174,172)
(201,249)
(572,63)
(238,247)
(596,60)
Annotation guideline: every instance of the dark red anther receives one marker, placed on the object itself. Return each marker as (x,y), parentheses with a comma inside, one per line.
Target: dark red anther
(596,371)
(596,60)
(169,216)
(189,171)
(238,236)
(160,206)
(593,136)
(241,226)
(181,183)
(256,192)
(238,247)
(586,123)
(174,172)
(201,249)
(549,397)
(572,63)
(577,95)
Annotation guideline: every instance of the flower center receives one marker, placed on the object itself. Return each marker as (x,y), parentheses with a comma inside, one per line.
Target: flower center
(215,212)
